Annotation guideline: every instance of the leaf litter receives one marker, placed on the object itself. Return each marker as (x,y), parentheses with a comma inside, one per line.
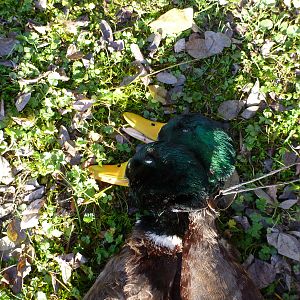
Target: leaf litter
(173,21)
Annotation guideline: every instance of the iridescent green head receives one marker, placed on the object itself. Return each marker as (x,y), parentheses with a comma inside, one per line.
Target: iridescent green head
(192,158)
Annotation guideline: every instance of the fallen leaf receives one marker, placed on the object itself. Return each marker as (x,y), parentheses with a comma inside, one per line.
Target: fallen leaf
(63,135)
(158,93)
(7,45)
(117,45)
(83,104)
(6,209)
(153,47)
(216,41)
(68,262)
(272,192)
(22,100)
(6,244)
(41,4)
(287,204)
(166,77)
(285,244)
(179,45)
(261,273)
(230,109)
(290,158)
(288,194)
(73,53)
(250,112)
(266,48)
(6,175)
(15,232)
(226,200)
(40,295)
(39,29)
(72,26)
(295,233)
(260,193)
(88,60)
(173,21)
(106,31)
(8,63)
(243,221)
(37,194)
(30,216)
(124,15)
(196,46)
(141,74)
(136,51)
(56,75)
(24,122)
(253,98)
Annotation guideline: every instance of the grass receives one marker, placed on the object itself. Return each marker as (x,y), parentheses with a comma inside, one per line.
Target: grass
(82,216)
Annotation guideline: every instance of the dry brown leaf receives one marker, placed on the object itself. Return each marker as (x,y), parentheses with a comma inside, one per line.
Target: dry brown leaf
(287,204)
(106,31)
(14,231)
(250,112)
(63,135)
(261,273)
(179,45)
(73,53)
(253,98)
(83,104)
(196,46)
(37,194)
(166,77)
(158,93)
(260,193)
(230,109)
(136,51)
(285,244)
(7,45)
(173,21)
(22,100)
(30,216)
(6,175)
(216,41)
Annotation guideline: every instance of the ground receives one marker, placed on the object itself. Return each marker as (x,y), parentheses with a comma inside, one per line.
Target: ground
(68,71)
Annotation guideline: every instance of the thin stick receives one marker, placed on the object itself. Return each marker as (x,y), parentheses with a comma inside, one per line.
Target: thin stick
(256,179)
(259,187)
(172,66)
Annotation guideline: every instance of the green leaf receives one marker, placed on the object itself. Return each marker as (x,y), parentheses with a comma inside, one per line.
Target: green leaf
(266,24)
(293,31)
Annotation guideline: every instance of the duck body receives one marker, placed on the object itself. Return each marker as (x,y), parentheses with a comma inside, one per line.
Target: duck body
(176,252)
(209,269)
(146,268)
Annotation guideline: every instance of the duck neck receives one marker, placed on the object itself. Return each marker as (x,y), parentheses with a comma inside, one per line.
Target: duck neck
(166,223)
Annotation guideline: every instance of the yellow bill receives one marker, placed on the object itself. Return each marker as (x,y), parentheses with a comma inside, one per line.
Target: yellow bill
(113,174)
(148,128)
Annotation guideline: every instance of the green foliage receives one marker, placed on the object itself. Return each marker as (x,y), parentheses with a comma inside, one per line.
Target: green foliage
(82,216)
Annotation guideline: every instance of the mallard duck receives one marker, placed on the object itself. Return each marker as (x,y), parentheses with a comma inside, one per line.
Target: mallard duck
(175,252)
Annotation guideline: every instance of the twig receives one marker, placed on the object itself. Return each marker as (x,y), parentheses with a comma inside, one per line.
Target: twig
(259,187)
(172,66)
(235,187)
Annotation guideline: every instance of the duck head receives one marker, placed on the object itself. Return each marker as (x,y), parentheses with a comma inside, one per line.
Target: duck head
(163,175)
(210,144)
(191,159)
